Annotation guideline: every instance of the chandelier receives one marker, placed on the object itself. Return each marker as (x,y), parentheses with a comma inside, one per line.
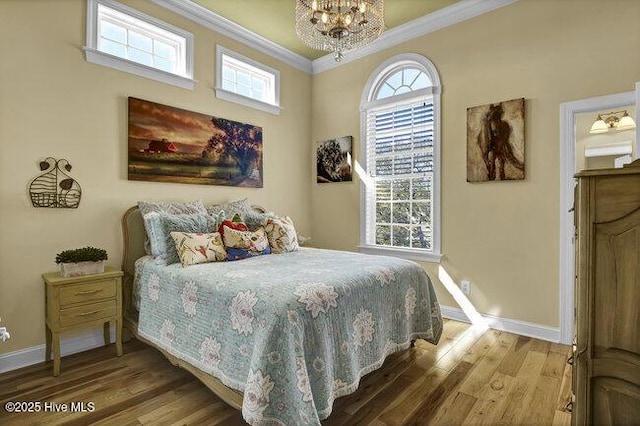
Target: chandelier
(339,25)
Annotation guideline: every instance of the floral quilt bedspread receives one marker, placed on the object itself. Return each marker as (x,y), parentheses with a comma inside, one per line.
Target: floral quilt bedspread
(291,331)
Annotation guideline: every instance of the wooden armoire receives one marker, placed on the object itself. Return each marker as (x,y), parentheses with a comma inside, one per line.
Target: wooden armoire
(606,374)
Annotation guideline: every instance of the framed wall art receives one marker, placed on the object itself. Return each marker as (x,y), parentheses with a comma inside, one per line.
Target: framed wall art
(168,144)
(334,160)
(495,141)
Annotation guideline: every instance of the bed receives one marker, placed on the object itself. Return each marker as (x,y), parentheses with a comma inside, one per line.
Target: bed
(279,336)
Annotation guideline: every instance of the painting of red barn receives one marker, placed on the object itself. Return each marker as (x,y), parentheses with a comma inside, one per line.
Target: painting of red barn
(168,144)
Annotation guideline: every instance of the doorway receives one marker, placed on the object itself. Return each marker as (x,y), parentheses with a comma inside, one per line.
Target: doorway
(568,113)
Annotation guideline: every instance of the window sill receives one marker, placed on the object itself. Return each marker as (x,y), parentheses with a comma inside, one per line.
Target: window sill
(243,100)
(403,253)
(97,57)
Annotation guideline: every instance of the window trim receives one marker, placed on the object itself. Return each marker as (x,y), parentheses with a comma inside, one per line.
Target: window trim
(95,56)
(366,103)
(230,96)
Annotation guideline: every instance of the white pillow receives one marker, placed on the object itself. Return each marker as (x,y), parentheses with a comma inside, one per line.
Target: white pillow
(239,206)
(281,234)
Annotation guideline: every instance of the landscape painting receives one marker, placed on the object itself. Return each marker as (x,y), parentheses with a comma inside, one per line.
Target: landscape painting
(495,141)
(168,144)
(334,160)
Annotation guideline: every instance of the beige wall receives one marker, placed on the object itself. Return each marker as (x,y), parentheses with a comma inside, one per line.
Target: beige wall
(503,236)
(585,139)
(54,103)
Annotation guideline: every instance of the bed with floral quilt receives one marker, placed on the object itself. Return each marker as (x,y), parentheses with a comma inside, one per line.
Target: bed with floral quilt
(292,331)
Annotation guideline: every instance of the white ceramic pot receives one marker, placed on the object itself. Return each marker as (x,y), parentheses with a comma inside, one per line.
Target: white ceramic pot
(81,268)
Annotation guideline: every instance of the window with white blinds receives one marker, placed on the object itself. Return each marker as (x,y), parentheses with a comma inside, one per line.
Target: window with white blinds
(400,201)
(400,159)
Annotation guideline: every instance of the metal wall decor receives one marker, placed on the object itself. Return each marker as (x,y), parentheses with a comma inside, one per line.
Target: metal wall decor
(54,188)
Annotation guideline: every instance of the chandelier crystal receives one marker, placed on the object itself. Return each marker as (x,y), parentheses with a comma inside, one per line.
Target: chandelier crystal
(339,25)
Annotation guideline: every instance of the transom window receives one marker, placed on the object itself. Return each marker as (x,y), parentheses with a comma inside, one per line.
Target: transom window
(130,38)
(247,82)
(402,81)
(131,41)
(400,206)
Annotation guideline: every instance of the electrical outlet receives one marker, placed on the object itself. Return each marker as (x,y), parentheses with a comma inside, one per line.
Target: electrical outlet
(4,335)
(465,287)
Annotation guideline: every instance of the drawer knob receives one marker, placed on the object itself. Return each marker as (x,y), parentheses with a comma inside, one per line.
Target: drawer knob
(82,293)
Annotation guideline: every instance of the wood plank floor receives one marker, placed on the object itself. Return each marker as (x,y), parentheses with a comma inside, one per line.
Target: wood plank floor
(471,377)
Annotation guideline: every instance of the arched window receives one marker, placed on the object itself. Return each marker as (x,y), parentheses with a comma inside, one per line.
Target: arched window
(400,208)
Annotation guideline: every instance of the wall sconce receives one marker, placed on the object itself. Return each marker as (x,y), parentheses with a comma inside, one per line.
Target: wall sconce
(611,121)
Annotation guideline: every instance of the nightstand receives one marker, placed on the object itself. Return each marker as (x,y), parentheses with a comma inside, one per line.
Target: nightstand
(81,301)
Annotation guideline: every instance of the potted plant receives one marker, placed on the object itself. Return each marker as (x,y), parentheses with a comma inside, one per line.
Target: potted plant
(82,261)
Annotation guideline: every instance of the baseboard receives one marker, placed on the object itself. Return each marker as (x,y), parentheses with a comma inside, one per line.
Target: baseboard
(35,354)
(523,328)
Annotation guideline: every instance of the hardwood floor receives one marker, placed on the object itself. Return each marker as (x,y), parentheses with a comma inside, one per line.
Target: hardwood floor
(470,378)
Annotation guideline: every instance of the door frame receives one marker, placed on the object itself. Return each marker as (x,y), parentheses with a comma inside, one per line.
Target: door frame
(568,111)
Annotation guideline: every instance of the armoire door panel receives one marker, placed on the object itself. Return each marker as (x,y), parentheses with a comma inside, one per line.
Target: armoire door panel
(617,284)
(617,364)
(614,402)
(616,197)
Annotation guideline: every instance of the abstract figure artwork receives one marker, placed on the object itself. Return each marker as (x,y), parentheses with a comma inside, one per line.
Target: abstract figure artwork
(168,144)
(334,160)
(495,141)
(54,187)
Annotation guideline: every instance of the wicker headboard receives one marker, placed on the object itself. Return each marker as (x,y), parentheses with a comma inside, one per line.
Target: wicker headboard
(133,236)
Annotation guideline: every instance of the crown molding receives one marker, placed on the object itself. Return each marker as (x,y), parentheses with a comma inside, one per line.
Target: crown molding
(214,22)
(450,15)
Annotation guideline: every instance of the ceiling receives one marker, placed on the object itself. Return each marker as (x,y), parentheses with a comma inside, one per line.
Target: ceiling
(274,19)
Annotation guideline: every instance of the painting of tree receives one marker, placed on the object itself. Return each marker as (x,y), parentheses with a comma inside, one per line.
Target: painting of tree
(168,144)
(241,142)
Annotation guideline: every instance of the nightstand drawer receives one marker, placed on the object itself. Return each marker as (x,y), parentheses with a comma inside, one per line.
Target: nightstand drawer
(87,292)
(87,313)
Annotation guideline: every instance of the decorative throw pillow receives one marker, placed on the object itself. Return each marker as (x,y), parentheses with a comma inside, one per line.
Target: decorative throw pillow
(231,208)
(254,241)
(196,248)
(239,254)
(218,218)
(192,223)
(177,207)
(254,219)
(155,234)
(239,226)
(281,234)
